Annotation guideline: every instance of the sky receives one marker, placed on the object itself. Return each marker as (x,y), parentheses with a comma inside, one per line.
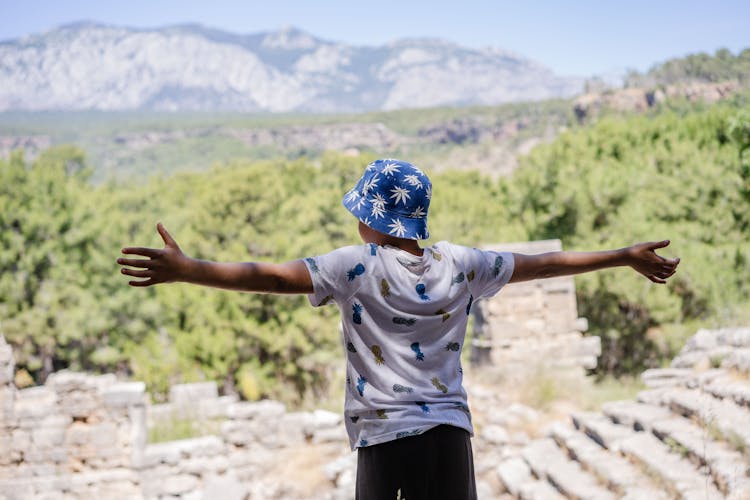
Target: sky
(572,37)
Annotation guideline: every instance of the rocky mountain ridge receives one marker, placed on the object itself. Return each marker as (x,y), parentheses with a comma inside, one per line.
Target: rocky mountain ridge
(191,67)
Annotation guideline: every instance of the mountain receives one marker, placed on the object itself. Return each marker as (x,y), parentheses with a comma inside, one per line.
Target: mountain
(192,67)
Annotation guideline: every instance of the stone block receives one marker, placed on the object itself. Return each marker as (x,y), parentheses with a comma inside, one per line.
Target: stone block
(326,435)
(21,439)
(77,434)
(215,408)
(7,370)
(103,435)
(298,425)
(80,404)
(7,403)
(124,394)
(513,474)
(161,453)
(701,341)
(16,489)
(226,487)
(178,484)
(6,352)
(494,434)
(34,403)
(138,432)
(174,451)
(740,337)
(48,436)
(325,419)
(265,410)
(188,394)
(204,446)
(68,381)
(659,377)
(202,465)
(738,359)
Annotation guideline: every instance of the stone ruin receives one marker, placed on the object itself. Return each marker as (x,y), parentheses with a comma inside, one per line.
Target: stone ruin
(83,436)
(532,320)
(687,436)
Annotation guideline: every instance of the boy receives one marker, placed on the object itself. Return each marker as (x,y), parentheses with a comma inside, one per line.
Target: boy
(404,313)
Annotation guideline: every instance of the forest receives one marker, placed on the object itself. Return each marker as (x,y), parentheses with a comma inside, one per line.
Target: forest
(678,172)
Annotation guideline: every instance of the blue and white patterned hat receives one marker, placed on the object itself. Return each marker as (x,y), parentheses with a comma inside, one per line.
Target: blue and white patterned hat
(392,197)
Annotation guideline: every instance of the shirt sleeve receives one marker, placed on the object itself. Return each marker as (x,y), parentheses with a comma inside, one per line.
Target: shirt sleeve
(487,271)
(335,275)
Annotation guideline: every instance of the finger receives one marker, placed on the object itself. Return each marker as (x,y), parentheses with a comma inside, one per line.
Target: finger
(147,282)
(146,252)
(137,273)
(656,280)
(144,263)
(658,244)
(168,240)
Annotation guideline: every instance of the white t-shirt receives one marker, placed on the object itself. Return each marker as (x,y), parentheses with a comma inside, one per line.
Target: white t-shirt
(404,321)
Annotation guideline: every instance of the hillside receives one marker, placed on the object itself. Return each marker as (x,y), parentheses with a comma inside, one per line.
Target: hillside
(88,66)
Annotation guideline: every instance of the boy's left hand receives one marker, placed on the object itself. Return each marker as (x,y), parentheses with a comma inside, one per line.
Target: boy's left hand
(163,265)
(643,258)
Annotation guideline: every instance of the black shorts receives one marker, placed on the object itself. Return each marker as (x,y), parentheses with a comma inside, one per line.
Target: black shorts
(435,465)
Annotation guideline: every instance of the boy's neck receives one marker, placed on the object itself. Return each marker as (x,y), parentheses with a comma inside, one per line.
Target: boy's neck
(369,235)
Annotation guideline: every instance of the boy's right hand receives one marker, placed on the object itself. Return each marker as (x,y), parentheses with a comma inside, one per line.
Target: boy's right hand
(163,265)
(643,258)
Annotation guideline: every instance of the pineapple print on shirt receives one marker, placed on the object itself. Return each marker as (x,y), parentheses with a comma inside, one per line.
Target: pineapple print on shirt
(497,266)
(378,353)
(357,313)
(417,351)
(357,270)
(361,381)
(438,385)
(385,288)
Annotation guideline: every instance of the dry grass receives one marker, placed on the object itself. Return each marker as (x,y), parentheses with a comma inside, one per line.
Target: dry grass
(304,464)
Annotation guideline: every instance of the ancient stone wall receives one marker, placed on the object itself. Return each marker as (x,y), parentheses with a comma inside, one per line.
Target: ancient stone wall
(533,321)
(85,436)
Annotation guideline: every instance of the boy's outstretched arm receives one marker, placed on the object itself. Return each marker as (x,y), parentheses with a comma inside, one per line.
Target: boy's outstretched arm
(641,257)
(170,264)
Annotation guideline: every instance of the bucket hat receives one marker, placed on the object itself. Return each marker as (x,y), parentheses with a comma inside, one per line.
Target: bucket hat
(392,197)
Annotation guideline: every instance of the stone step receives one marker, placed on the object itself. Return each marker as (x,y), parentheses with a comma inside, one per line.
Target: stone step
(702,378)
(738,359)
(702,359)
(548,461)
(615,471)
(722,417)
(515,475)
(676,474)
(660,377)
(708,339)
(726,465)
(539,490)
(639,416)
(730,388)
(600,429)
(651,396)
